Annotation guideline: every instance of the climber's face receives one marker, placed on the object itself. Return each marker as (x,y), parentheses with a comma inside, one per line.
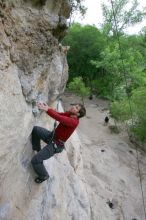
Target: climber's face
(74,110)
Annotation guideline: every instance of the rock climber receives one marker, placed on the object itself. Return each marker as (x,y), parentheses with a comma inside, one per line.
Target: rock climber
(68,121)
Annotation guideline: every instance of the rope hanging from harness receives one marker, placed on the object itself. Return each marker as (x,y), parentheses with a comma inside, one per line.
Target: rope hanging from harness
(57,107)
(55,122)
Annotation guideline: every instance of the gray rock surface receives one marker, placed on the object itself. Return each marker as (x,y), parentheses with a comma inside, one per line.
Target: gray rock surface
(110,166)
(29,40)
(33,67)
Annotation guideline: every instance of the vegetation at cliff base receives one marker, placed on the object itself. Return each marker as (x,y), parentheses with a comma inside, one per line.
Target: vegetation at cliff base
(111,64)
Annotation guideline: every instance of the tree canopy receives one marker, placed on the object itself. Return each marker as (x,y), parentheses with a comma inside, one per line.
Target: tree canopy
(111,64)
(86,43)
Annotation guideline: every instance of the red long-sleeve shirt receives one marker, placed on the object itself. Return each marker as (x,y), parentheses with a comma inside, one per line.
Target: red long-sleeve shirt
(66,126)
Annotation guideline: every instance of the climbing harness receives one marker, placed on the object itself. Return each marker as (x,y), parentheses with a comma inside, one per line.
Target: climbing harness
(128,96)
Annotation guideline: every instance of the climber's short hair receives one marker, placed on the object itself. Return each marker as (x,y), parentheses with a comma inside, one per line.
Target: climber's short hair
(82,111)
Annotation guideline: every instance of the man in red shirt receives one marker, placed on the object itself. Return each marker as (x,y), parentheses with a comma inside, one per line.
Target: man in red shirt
(68,121)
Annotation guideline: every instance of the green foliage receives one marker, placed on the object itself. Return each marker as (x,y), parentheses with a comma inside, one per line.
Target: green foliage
(102,88)
(139,100)
(86,43)
(140,131)
(78,87)
(121,110)
(120,65)
(112,64)
(77,6)
(124,17)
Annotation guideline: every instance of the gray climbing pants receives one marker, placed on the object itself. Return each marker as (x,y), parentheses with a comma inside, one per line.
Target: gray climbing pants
(48,151)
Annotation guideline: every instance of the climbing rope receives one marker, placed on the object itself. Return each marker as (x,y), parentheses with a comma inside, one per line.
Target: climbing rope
(131,112)
(57,107)
(35,109)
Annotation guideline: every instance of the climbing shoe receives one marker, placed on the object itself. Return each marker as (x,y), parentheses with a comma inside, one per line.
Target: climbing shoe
(40,180)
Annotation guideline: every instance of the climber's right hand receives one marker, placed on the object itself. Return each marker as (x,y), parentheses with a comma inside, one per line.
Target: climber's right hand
(43,106)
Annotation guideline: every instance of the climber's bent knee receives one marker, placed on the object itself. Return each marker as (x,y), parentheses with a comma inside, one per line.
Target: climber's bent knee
(35,129)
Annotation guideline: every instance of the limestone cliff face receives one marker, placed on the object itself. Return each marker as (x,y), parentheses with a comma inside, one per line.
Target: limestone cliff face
(29,43)
(32,67)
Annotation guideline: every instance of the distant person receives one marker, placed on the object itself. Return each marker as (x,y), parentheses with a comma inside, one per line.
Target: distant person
(106,120)
(91,97)
(68,121)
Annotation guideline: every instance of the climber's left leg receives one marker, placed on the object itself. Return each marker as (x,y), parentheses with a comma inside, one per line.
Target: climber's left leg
(37,162)
(38,134)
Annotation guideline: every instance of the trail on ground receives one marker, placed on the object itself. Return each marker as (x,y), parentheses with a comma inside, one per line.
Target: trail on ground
(110,165)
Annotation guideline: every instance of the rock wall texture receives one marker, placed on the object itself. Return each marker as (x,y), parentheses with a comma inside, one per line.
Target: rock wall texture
(34,68)
(29,43)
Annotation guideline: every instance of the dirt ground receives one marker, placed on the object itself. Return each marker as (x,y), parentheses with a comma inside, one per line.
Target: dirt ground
(110,164)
